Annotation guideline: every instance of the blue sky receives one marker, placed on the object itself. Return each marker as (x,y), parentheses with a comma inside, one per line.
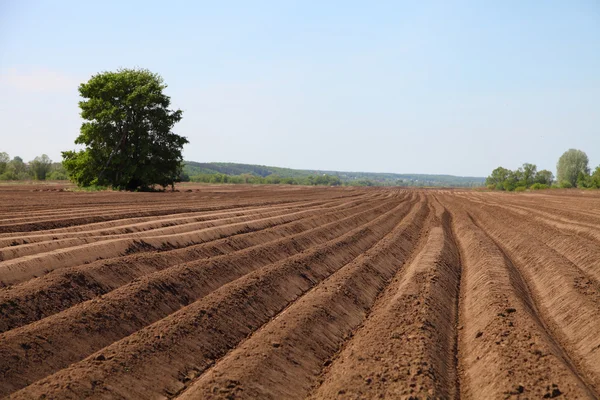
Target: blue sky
(453,87)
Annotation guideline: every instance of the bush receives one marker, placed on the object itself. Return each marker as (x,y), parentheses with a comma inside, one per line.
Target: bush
(508,186)
(520,188)
(57,176)
(565,185)
(538,186)
(8,176)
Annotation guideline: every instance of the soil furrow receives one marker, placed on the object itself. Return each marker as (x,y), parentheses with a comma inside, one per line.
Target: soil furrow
(505,349)
(38,225)
(40,248)
(28,267)
(153,361)
(61,289)
(280,359)
(407,346)
(240,291)
(578,249)
(129,226)
(558,288)
(92,325)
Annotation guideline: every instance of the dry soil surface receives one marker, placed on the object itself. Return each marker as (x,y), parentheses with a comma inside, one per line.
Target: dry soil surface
(299,292)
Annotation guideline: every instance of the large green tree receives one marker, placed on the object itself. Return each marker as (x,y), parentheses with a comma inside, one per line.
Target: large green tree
(127,133)
(570,164)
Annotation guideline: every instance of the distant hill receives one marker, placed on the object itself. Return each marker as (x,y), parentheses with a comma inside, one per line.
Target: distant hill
(192,168)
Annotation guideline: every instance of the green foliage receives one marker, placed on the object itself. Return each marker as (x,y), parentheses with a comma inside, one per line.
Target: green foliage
(16,169)
(57,172)
(4,160)
(127,133)
(497,178)
(544,177)
(595,179)
(565,185)
(19,166)
(7,176)
(295,176)
(570,164)
(527,174)
(539,186)
(505,179)
(81,167)
(584,180)
(183,176)
(40,167)
(509,186)
(321,180)
(273,179)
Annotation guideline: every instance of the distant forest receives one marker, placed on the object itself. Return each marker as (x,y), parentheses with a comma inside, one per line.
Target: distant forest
(249,173)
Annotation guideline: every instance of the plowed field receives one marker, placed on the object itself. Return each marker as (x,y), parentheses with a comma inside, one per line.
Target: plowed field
(298,292)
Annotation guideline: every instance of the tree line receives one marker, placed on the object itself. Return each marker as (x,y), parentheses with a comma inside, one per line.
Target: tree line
(40,168)
(299,176)
(273,179)
(128,143)
(572,170)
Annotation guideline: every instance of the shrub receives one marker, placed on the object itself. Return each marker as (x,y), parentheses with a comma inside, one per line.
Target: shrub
(57,176)
(509,186)
(538,186)
(565,185)
(8,176)
(520,188)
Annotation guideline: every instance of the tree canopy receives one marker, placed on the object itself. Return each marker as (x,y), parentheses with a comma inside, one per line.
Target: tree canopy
(525,177)
(4,160)
(572,170)
(40,167)
(570,165)
(127,133)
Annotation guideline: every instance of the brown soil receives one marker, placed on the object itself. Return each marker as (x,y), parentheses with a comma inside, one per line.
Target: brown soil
(298,292)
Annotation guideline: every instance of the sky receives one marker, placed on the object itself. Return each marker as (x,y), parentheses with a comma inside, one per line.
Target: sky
(439,87)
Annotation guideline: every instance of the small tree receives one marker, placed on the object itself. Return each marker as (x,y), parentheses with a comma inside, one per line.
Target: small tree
(247,178)
(497,178)
(512,180)
(544,177)
(18,165)
(57,172)
(528,174)
(40,167)
(127,132)
(584,180)
(570,164)
(595,178)
(4,159)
